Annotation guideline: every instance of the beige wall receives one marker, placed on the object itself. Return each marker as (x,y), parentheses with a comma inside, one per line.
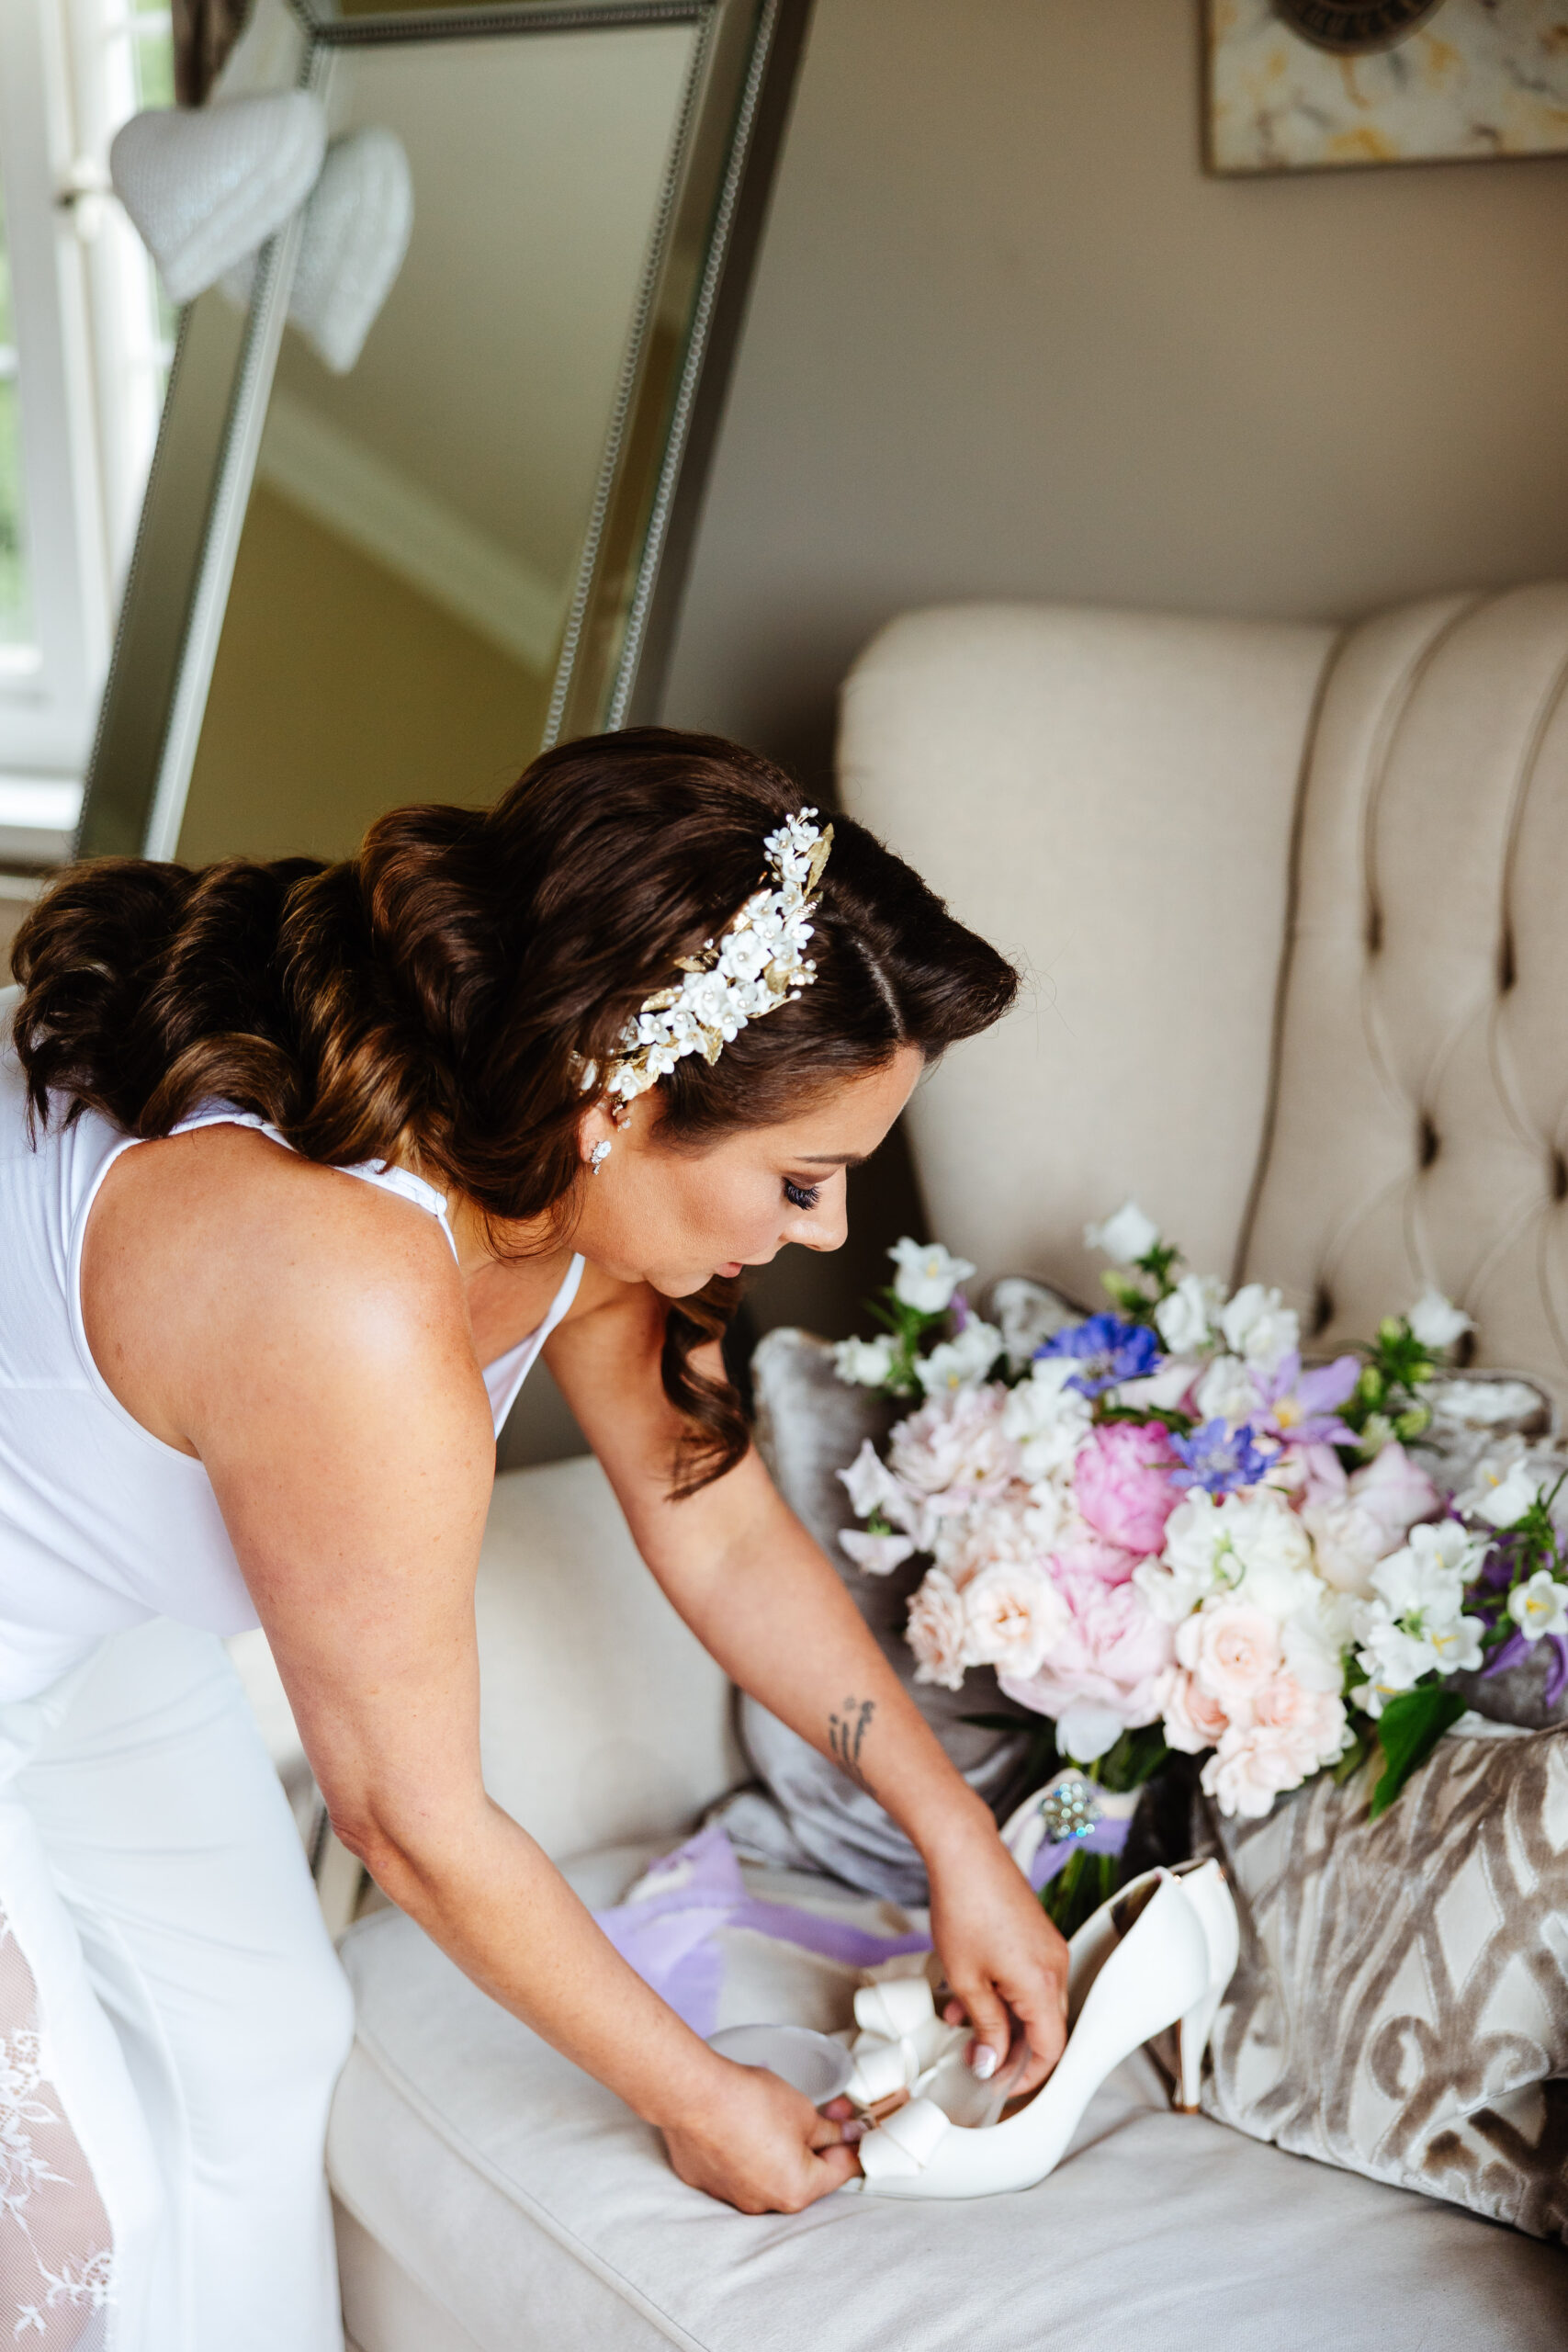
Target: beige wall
(1007,339)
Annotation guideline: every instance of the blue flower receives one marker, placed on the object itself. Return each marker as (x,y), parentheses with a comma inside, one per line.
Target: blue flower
(1219,1459)
(1109,1350)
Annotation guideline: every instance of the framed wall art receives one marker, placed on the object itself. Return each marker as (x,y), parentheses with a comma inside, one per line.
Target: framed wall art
(1311,85)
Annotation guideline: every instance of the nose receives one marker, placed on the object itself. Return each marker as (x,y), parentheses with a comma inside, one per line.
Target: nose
(826,1228)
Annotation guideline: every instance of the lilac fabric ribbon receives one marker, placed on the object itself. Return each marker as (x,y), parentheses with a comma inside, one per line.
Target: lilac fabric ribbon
(669,1935)
(1102,1836)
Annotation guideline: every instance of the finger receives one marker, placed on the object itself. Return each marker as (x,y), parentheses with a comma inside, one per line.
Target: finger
(1044,2021)
(992,2024)
(838,2131)
(831,2169)
(953,2013)
(838,2110)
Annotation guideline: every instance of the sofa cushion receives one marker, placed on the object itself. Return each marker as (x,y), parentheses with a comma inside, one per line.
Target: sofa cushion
(602,1715)
(525,2201)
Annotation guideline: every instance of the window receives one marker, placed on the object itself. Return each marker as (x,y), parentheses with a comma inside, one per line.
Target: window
(84,349)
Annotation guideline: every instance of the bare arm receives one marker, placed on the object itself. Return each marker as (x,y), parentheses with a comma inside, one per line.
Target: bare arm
(760,1595)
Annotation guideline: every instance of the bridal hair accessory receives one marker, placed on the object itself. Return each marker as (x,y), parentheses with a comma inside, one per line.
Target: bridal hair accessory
(758,962)
(597,1157)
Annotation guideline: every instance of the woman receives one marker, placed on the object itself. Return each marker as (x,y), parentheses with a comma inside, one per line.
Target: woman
(591,1052)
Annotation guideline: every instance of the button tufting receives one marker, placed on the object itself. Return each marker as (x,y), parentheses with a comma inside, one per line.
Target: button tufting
(1374,930)
(1322,1310)
(1507,966)
(1428,1146)
(1559,1177)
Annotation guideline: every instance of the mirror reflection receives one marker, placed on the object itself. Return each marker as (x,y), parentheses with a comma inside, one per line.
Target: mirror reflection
(415,531)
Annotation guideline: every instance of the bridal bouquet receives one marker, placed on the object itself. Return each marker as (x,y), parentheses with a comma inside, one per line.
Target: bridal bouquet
(1164,1530)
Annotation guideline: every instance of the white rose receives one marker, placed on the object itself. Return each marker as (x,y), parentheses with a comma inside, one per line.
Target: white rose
(1348,1543)
(1013,1617)
(1186,1319)
(1540,1606)
(1436,1322)
(1226,1392)
(1124,1238)
(960,1362)
(936,1630)
(928,1274)
(1273,1550)
(1257,1325)
(864,1364)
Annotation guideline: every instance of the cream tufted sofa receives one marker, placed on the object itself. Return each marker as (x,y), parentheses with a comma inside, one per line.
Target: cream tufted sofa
(1290,904)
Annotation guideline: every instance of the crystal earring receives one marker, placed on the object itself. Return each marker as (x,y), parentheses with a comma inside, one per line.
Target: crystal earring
(597,1157)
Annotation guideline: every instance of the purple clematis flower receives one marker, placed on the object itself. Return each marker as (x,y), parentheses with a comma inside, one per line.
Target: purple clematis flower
(1219,1459)
(1302,1408)
(1108,1349)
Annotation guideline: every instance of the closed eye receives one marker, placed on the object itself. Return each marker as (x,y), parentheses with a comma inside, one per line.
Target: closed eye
(801,1196)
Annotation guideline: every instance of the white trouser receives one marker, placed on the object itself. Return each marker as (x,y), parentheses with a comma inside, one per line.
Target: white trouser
(173,2018)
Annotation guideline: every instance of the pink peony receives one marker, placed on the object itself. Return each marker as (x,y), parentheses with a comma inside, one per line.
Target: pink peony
(1121,1485)
(1014,1617)
(1083,1553)
(1192,1719)
(1111,1654)
(936,1630)
(1231,1651)
(1396,1491)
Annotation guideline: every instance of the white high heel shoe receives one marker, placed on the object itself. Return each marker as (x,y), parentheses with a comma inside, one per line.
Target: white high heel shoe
(1160,1953)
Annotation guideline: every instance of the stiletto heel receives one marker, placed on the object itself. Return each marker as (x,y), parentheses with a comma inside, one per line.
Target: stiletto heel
(1148,1957)
(1203,1883)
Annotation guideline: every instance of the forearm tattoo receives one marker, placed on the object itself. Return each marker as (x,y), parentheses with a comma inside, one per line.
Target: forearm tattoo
(846,1732)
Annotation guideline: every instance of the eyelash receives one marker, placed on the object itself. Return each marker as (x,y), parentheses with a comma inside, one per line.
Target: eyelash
(801,1196)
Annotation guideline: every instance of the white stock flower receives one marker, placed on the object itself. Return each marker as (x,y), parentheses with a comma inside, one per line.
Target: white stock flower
(1415,1624)
(1258,1326)
(1540,1606)
(960,1362)
(1028,1314)
(1046,1420)
(1436,1322)
(872,1487)
(865,1363)
(1124,1238)
(1186,1319)
(928,1274)
(1252,1547)
(878,1555)
(1226,1392)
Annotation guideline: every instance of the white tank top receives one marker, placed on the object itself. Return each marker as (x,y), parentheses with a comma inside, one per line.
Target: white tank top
(102,1525)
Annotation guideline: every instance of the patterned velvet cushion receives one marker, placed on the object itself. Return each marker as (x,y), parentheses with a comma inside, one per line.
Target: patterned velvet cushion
(1401,2007)
(809,1425)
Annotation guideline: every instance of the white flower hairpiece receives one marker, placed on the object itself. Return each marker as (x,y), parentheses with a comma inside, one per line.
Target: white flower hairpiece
(758,962)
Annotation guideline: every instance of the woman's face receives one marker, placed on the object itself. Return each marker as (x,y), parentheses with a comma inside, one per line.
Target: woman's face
(674,1218)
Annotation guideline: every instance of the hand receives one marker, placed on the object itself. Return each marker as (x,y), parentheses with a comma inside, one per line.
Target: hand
(763,2148)
(1002,1953)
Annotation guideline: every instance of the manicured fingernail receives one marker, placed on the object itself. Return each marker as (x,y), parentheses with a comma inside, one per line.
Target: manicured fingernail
(984,2062)
(857,2129)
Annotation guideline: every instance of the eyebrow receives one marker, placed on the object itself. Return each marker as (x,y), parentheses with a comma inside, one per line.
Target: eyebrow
(832,1160)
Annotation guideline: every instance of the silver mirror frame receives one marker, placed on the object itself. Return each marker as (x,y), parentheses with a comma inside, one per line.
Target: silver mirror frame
(621,623)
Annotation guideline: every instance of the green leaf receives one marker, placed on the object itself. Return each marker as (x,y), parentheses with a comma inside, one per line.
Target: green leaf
(1409,1729)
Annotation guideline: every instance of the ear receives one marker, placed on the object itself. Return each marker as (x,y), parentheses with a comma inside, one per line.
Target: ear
(595,1127)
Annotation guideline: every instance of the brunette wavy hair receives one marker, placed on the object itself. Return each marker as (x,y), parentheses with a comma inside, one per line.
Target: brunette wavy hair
(433,997)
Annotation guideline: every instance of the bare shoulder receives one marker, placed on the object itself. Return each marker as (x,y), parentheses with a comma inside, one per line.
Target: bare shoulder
(218,1263)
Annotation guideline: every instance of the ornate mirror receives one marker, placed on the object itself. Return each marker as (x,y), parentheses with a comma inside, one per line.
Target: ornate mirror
(396,574)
